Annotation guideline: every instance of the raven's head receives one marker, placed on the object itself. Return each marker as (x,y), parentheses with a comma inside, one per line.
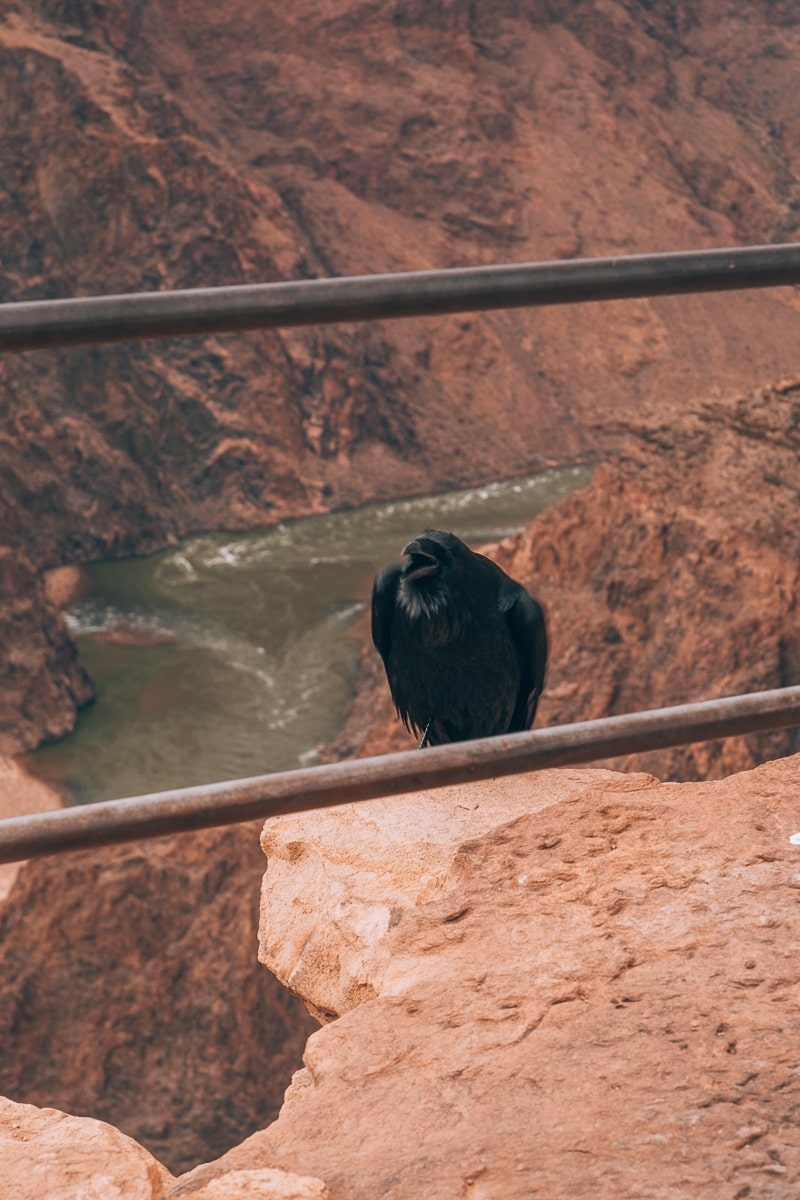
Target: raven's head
(430,553)
(429,582)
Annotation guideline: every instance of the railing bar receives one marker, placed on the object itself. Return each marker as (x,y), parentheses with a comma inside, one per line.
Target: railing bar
(43,324)
(186,809)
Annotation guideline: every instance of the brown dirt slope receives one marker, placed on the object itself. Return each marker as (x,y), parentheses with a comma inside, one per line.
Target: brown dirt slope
(673,577)
(176,145)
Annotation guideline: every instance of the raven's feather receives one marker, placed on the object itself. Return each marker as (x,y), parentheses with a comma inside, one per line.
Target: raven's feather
(463,644)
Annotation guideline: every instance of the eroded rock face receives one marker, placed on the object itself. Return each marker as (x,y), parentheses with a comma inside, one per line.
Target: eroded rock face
(48,1155)
(130,991)
(158,146)
(673,577)
(43,680)
(593,995)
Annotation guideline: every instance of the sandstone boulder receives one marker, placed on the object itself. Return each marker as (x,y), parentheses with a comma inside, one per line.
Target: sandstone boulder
(48,1155)
(336,886)
(595,995)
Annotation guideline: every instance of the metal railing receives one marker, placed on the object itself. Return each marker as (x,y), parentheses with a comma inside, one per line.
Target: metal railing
(41,324)
(51,323)
(193,808)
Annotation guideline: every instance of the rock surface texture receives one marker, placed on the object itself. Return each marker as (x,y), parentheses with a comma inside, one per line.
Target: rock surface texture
(48,1155)
(589,990)
(130,991)
(264,1184)
(674,576)
(153,146)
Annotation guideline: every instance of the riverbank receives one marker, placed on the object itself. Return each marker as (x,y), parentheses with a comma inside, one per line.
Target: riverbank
(21,793)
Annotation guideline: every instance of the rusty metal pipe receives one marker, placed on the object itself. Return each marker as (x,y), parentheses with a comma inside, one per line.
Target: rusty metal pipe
(42,324)
(186,809)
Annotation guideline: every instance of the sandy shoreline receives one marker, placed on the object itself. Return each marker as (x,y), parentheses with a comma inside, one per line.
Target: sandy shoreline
(21,793)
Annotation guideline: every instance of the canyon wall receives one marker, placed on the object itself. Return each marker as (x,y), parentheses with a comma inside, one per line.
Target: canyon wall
(158,146)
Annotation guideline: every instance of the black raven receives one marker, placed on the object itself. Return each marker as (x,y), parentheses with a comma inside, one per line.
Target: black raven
(464,646)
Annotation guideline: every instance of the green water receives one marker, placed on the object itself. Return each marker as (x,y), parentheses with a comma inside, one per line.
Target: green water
(244,652)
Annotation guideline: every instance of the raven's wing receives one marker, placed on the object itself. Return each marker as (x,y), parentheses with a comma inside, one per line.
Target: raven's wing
(384,598)
(527,628)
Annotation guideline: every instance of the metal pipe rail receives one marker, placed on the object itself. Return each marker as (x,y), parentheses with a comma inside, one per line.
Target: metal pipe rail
(186,809)
(42,324)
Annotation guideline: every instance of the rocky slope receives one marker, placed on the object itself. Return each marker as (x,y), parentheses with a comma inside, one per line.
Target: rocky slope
(673,577)
(160,145)
(43,680)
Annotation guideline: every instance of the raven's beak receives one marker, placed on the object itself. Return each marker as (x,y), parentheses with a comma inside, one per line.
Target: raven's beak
(421,561)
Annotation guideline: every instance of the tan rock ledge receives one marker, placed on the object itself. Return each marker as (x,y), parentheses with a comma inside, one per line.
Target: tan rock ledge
(339,880)
(575,983)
